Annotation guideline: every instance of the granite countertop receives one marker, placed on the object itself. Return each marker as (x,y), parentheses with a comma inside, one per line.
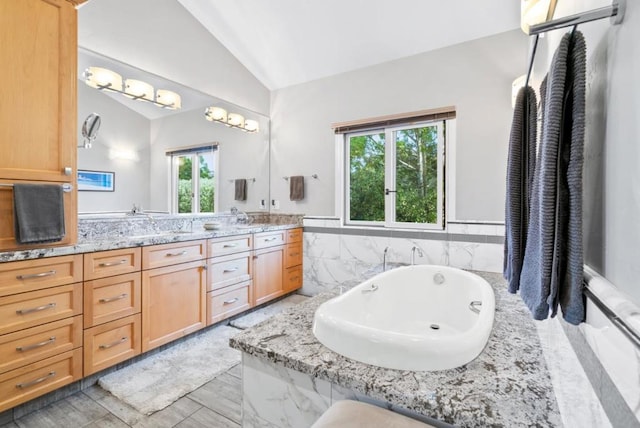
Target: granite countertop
(507,385)
(151,238)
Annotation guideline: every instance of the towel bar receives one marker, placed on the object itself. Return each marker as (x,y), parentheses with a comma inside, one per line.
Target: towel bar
(253,180)
(66,187)
(312,176)
(629,332)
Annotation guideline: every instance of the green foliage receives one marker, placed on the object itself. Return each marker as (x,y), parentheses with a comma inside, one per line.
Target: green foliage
(416,176)
(207,193)
(185,172)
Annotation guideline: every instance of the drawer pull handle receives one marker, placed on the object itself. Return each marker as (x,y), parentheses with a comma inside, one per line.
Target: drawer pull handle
(36,275)
(181,253)
(38,309)
(233,269)
(113,299)
(109,264)
(294,278)
(230,301)
(270,239)
(35,381)
(235,244)
(294,254)
(112,344)
(52,339)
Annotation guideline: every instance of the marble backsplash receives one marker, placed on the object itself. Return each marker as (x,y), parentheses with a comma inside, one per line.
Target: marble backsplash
(99,227)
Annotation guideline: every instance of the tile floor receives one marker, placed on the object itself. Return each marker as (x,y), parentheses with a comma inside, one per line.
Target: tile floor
(215,404)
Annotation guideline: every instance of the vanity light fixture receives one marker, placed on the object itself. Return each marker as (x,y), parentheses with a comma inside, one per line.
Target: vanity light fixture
(232,120)
(236,120)
(107,80)
(102,78)
(168,98)
(137,89)
(534,12)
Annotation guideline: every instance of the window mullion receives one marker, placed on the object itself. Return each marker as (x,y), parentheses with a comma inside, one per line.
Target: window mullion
(389,177)
(195,183)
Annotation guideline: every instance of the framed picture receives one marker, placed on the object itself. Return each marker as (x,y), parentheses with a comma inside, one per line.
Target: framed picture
(96,181)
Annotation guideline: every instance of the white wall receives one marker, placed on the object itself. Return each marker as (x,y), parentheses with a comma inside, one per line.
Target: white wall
(161,37)
(475,77)
(121,129)
(240,154)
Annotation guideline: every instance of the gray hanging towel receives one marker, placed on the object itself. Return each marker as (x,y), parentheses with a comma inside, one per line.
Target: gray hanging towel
(296,188)
(520,168)
(552,269)
(38,213)
(570,272)
(241,189)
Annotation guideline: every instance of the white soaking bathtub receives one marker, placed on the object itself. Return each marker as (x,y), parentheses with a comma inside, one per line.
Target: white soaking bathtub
(420,318)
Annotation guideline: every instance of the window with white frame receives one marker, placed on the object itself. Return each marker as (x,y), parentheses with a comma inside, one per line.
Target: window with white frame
(193,179)
(394,175)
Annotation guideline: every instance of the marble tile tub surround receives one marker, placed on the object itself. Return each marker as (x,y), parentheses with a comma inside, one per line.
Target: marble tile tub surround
(334,254)
(507,385)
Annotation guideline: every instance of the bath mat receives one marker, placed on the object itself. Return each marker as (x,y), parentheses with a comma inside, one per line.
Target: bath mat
(155,382)
(267,312)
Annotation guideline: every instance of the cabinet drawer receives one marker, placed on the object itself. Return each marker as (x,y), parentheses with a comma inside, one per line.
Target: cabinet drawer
(224,271)
(23,384)
(111,298)
(292,278)
(293,256)
(228,301)
(171,254)
(111,343)
(230,245)
(39,307)
(110,263)
(31,275)
(269,239)
(294,235)
(33,344)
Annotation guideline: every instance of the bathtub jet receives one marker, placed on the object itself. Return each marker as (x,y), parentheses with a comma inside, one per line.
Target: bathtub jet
(420,318)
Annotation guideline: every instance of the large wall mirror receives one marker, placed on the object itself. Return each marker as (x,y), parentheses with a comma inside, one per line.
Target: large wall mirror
(135,136)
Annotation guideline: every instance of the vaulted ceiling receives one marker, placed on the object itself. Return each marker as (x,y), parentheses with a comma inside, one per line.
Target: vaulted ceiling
(287,42)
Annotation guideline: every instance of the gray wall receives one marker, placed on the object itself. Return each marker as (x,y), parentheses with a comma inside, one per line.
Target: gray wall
(121,129)
(161,37)
(612,142)
(475,77)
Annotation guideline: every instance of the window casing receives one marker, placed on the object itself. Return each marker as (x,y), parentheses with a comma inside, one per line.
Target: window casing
(194,180)
(394,176)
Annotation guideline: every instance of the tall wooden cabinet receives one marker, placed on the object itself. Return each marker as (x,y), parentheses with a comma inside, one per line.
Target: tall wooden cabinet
(38,113)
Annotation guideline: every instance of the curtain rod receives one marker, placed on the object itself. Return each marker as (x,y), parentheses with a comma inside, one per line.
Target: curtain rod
(616,10)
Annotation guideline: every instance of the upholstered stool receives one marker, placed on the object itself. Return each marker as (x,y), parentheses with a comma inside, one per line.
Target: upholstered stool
(355,414)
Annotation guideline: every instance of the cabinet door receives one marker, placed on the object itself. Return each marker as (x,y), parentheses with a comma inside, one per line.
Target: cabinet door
(38,51)
(7,223)
(267,274)
(174,303)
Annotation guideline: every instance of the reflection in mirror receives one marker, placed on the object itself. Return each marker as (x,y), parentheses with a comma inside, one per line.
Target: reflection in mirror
(137,138)
(90,129)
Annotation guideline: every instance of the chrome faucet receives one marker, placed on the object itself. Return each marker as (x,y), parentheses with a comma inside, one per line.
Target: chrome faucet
(384,258)
(413,254)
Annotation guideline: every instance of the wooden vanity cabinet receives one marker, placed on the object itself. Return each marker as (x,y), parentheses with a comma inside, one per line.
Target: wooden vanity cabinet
(268,260)
(174,300)
(38,136)
(293,261)
(40,327)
